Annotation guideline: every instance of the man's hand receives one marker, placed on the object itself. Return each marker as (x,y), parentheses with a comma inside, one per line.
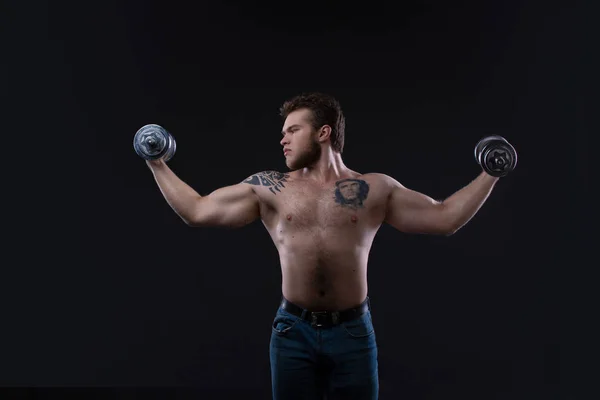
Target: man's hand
(155,163)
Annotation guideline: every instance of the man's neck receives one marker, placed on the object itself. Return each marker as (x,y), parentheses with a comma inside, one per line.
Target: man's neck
(329,168)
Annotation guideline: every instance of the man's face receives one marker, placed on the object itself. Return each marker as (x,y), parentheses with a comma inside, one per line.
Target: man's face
(300,138)
(349,190)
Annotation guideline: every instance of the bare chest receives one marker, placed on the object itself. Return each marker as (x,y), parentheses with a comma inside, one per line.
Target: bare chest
(347,203)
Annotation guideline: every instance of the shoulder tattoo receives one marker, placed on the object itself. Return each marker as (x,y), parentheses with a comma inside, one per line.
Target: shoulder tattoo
(272,179)
(351,193)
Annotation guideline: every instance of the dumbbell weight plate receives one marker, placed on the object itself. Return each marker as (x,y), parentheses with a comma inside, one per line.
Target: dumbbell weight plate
(171,149)
(482,143)
(152,142)
(501,151)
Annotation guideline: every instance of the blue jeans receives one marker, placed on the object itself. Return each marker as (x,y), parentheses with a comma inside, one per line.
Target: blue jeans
(337,362)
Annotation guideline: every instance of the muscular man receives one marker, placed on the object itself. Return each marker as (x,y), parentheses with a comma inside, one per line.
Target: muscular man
(322,217)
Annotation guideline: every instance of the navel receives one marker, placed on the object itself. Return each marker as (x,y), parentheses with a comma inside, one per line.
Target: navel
(354,218)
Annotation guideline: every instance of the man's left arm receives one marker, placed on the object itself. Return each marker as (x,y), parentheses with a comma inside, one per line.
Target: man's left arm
(413,212)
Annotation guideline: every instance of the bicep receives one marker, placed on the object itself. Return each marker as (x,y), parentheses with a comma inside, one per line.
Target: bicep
(231,206)
(412,212)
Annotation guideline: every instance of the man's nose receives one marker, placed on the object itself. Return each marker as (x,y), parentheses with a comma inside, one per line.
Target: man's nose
(283,141)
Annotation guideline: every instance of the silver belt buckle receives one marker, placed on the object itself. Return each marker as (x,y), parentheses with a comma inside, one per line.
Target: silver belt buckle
(314,316)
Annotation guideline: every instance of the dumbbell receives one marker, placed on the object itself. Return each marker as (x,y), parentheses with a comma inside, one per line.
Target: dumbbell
(496,156)
(152,142)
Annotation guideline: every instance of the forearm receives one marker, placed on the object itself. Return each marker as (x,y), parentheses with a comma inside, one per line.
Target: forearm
(179,195)
(464,204)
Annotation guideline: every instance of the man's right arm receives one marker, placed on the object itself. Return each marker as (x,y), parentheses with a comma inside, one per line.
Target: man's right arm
(231,206)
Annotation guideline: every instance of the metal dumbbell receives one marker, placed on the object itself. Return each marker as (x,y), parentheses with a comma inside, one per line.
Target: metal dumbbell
(496,156)
(152,142)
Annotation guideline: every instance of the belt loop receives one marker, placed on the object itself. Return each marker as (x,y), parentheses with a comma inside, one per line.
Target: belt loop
(303,315)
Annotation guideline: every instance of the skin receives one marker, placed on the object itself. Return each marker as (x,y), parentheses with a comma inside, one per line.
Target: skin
(321,215)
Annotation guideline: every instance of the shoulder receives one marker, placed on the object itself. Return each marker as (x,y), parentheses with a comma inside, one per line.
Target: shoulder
(268,181)
(266,178)
(382,179)
(382,184)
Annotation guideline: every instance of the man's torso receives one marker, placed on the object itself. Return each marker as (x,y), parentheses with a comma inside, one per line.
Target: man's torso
(323,233)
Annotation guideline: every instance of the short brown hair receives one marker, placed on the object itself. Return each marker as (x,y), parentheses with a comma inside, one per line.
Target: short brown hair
(325,109)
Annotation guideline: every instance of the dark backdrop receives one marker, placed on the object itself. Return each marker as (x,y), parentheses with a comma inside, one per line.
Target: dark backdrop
(111,288)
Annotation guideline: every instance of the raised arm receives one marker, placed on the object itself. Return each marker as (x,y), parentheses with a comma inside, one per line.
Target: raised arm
(413,212)
(231,206)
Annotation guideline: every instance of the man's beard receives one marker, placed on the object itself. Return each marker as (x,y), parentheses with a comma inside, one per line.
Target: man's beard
(308,158)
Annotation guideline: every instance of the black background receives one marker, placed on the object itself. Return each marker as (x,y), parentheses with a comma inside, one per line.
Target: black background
(108,287)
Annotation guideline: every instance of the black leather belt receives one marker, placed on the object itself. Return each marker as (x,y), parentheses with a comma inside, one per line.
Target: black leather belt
(325,318)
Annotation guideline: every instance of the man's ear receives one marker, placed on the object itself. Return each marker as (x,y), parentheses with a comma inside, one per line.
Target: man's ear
(324,133)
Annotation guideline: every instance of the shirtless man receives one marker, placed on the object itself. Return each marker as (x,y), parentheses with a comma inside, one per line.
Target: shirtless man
(322,217)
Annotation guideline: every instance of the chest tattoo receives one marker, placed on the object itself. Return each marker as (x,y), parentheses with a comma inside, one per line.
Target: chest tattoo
(351,193)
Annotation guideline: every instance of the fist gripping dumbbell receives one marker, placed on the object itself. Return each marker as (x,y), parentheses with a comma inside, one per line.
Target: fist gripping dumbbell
(496,156)
(153,142)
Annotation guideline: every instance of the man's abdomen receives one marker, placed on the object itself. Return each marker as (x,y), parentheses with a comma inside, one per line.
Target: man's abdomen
(324,274)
